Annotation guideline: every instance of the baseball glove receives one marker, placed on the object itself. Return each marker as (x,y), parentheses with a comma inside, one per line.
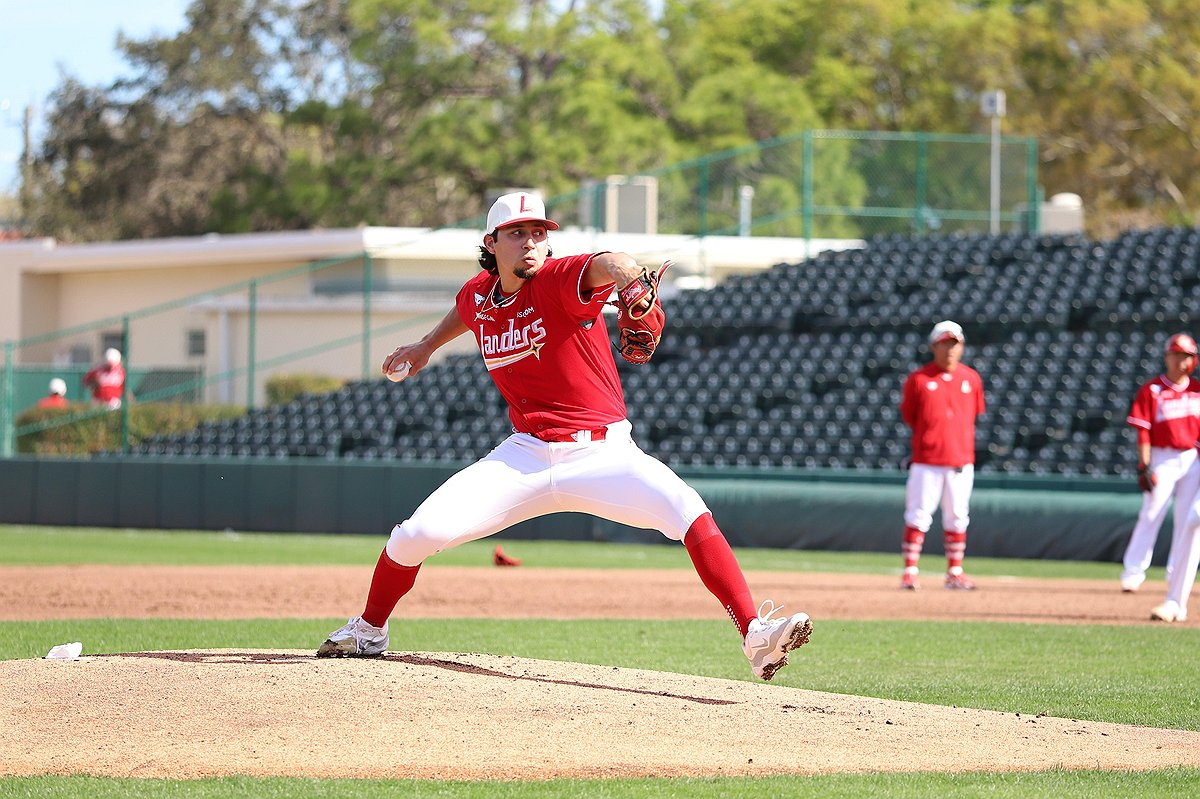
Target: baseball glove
(640,296)
(1145,478)
(640,317)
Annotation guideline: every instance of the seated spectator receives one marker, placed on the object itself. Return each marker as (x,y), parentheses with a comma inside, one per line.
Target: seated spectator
(57,398)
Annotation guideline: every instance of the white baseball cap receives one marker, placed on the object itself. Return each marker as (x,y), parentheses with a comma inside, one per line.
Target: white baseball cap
(520,206)
(112,356)
(58,386)
(946,329)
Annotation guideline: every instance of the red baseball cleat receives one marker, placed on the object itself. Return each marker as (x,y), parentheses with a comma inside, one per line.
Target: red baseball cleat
(500,559)
(959,582)
(909,582)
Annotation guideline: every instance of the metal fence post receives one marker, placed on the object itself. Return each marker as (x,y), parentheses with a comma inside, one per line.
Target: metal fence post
(252,320)
(922,184)
(366,327)
(1034,223)
(806,201)
(125,390)
(8,413)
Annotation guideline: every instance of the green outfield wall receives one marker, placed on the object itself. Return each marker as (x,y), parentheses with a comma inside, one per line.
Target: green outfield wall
(1014,516)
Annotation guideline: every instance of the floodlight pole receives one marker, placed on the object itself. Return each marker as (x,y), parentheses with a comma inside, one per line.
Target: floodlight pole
(745,214)
(992,105)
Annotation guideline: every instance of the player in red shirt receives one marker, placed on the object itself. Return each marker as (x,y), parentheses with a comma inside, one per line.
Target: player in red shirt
(537,321)
(940,402)
(57,398)
(1166,414)
(107,381)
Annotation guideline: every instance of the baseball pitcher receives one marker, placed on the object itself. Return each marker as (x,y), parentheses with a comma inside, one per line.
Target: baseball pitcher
(537,321)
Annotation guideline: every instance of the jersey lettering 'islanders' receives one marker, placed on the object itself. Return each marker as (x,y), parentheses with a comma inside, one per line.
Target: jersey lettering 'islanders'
(1167,415)
(941,407)
(547,349)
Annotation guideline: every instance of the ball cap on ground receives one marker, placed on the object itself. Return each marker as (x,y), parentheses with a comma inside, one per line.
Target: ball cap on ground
(1181,342)
(520,206)
(946,329)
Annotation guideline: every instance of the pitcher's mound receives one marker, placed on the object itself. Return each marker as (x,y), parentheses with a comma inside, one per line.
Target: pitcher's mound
(472,716)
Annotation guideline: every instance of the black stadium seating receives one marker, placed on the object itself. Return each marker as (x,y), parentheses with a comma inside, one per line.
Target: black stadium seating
(801,365)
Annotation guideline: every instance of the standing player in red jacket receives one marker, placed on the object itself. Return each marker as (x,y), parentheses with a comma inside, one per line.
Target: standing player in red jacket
(1166,414)
(940,402)
(107,381)
(537,321)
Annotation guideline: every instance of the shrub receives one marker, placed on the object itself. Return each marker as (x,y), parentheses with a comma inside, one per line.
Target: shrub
(81,430)
(285,388)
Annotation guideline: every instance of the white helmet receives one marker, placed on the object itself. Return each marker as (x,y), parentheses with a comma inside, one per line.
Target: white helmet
(58,386)
(112,356)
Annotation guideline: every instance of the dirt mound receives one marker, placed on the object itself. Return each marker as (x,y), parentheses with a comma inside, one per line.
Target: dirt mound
(196,714)
(472,716)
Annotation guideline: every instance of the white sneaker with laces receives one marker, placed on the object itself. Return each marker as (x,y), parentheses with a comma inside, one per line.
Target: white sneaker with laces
(356,638)
(768,640)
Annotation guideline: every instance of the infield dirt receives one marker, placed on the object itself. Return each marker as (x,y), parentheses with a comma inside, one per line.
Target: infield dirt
(475,716)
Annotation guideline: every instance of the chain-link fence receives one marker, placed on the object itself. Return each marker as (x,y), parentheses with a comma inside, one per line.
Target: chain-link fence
(822,184)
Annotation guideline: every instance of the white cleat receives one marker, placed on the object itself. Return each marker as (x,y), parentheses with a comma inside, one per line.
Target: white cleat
(1132,582)
(1168,611)
(355,639)
(768,640)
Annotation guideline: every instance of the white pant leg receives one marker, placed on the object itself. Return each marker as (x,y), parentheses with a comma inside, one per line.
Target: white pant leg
(511,484)
(922,493)
(1187,488)
(1168,466)
(1185,554)
(615,480)
(956,498)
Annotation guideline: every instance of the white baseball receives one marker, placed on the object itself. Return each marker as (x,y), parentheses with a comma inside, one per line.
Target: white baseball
(400,372)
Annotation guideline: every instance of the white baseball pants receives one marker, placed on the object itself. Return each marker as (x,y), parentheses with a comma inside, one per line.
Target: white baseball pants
(1185,556)
(1177,479)
(524,478)
(929,486)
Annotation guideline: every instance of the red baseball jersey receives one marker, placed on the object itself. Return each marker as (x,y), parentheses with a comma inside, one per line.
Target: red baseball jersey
(547,348)
(1167,415)
(106,381)
(941,407)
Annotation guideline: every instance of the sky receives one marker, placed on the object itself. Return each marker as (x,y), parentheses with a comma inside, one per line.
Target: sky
(40,41)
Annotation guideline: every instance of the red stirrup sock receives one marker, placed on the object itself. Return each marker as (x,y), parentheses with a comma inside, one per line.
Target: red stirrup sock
(719,570)
(390,582)
(914,539)
(956,548)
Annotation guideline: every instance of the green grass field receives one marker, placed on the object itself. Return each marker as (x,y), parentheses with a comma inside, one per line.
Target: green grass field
(1134,675)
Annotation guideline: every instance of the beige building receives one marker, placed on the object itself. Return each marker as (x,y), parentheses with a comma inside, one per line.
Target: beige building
(210,318)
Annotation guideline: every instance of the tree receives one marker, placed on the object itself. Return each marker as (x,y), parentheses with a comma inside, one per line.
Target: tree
(1110,85)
